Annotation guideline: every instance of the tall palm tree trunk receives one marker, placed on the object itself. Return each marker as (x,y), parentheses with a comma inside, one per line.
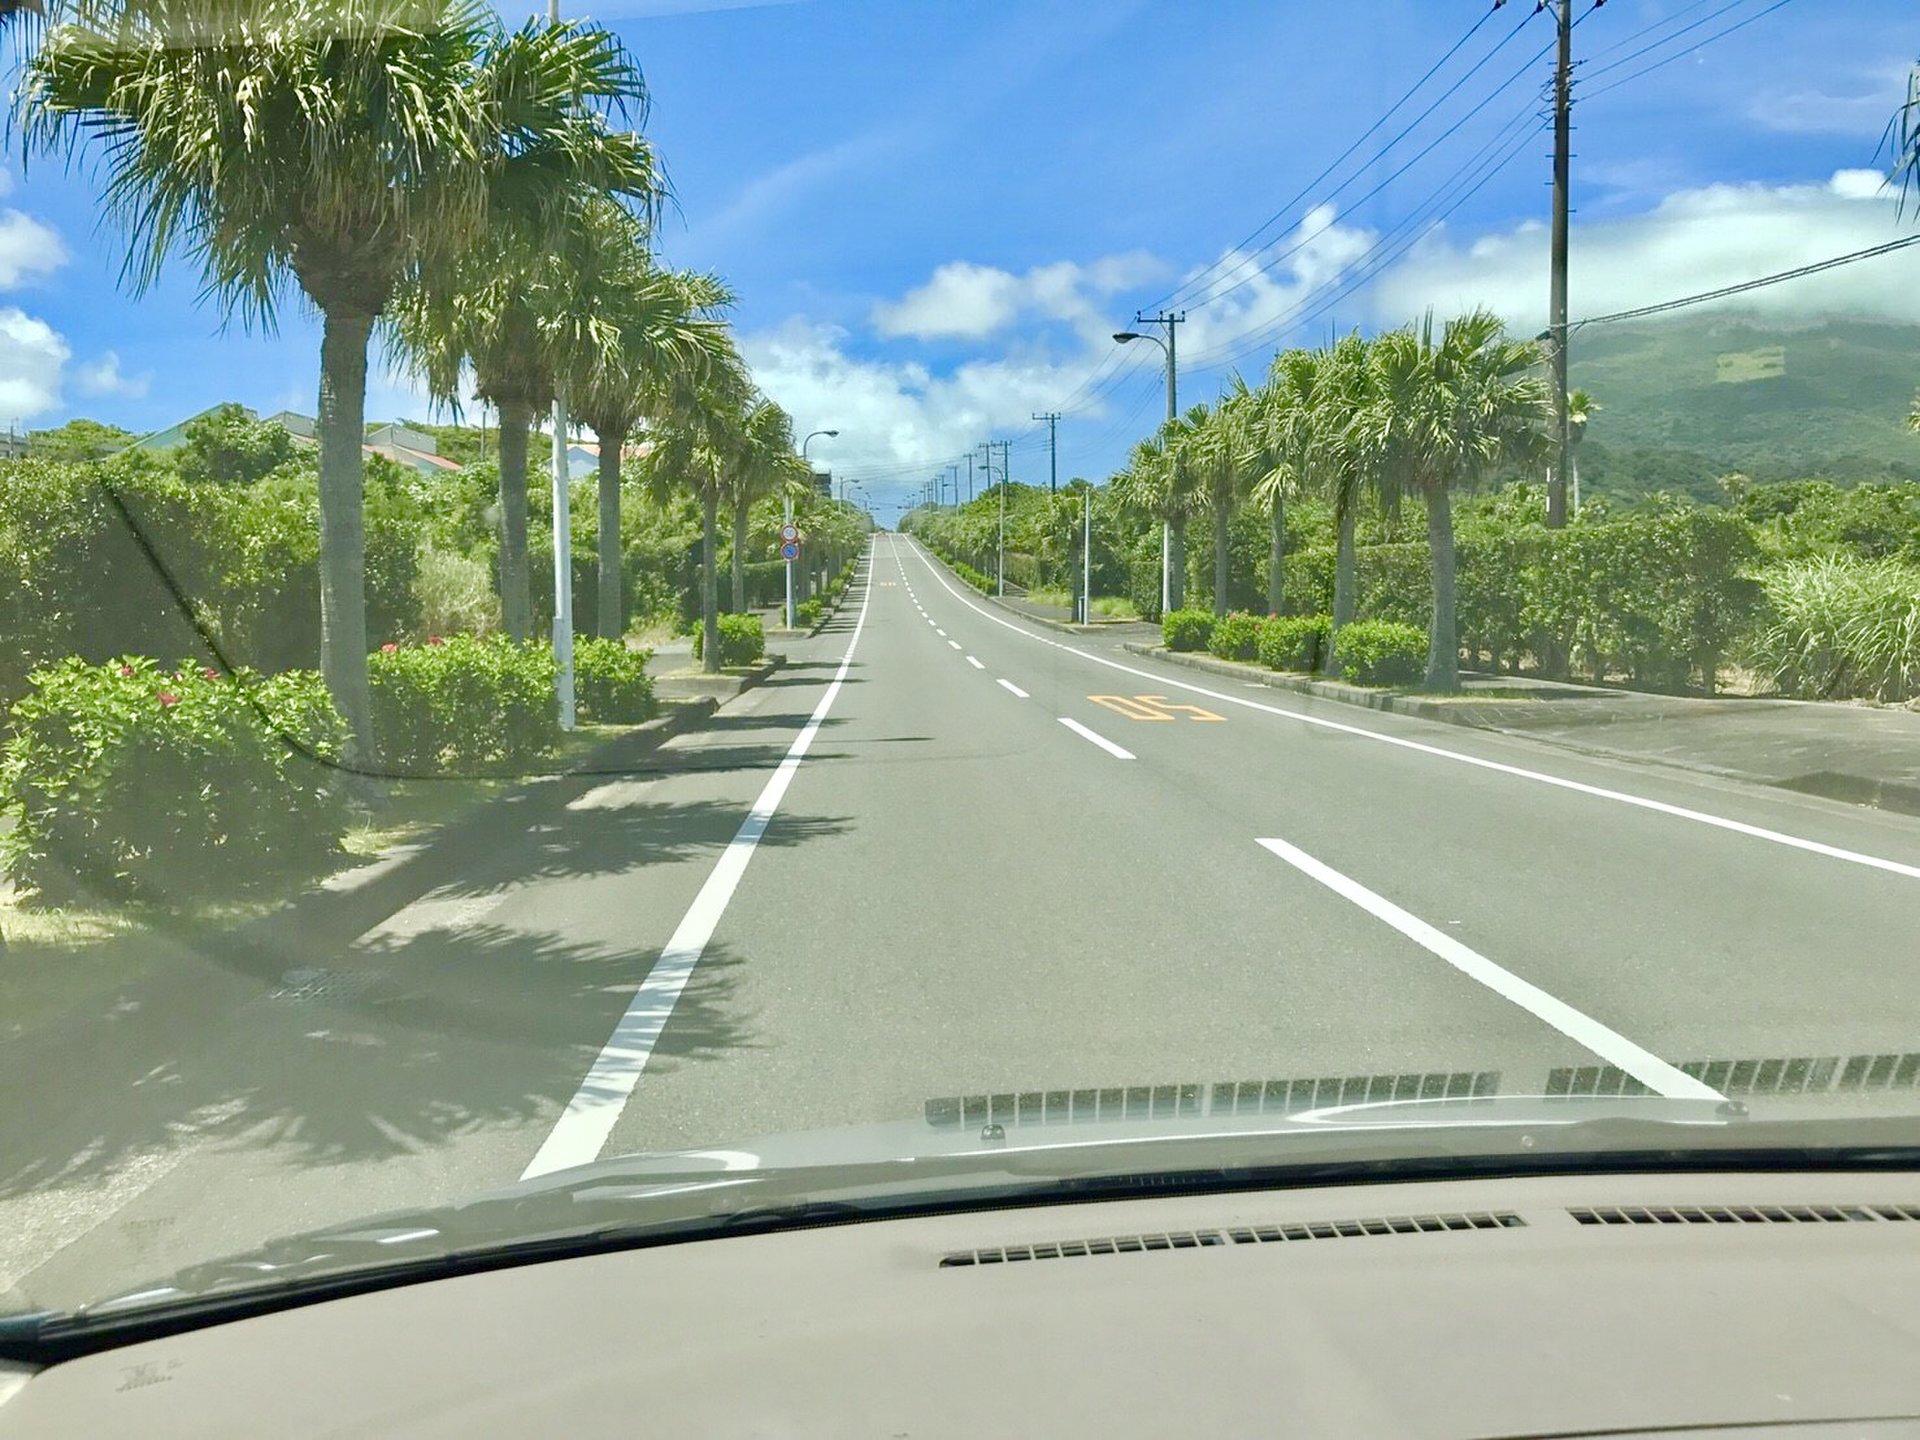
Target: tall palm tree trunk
(1344,567)
(739,554)
(343,545)
(612,615)
(1222,518)
(709,582)
(1277,556)
(1443,638)
(516,592)
(1177,565)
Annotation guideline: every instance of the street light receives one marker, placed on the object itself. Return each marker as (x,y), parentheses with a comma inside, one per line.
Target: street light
(793,622)
(1127,337)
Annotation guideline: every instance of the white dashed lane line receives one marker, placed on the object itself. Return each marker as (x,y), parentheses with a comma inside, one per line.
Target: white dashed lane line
(1012,689)
(1105,744)
(955,644)
(975,663)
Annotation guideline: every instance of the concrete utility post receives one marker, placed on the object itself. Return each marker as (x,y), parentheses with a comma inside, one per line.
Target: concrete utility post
(786,515)
(1052,417)
(1557,296)
(562,536)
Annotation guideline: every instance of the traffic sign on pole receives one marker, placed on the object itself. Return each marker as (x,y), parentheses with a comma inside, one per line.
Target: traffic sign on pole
(789,533)
(790,550)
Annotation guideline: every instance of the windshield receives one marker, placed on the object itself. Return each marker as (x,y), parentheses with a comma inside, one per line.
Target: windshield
(796,586)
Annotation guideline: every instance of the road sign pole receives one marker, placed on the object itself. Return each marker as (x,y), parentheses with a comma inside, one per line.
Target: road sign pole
(786,523)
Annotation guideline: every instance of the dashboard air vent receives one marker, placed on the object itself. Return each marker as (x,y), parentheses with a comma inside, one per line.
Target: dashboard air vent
(1235,1235)
(1746,1214)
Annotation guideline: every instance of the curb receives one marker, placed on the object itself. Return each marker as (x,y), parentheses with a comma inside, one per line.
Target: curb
(1849,789)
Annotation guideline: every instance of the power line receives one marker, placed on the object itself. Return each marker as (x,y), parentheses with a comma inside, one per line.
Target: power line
(1427,150)
(1416,223)
(1682,54)
(1186,287)
(1660,24)
(1653,45)
(1870,253)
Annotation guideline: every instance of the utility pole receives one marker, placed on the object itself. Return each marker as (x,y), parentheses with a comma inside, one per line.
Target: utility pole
(1557,299)
(1052,417)
(1168,319)
(1006,474)
(969,477)
(1086,559)
(562,533)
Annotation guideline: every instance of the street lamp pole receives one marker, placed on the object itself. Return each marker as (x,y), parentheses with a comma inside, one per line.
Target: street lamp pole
(793,615)
(1167,348)
(562,535)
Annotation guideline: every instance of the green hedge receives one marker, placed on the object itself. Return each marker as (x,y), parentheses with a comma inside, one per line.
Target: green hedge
(1381,652)
(610,682)
(1235,636)
(1187,629)
(743,640)
(128,780)
(463,704)
(1293,642)
(809,613)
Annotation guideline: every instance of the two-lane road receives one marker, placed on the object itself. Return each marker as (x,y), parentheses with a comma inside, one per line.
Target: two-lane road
(949,852)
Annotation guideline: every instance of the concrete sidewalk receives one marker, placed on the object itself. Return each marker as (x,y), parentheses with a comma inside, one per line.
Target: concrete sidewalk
(1867,755)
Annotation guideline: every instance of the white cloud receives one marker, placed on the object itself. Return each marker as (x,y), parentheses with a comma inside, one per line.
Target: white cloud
(896,416)
(31,356)
(103,377)
(1858,104)
(1692,241)
(968,301)
(28,249)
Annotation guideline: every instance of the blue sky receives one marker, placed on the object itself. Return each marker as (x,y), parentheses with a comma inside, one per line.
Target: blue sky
(936,212)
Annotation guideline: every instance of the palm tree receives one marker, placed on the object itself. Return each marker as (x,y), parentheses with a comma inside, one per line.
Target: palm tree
(1155,483)
(1581,408)
(1282,453)
(1341,460)
(346,149)
(660,326)
(1904,131)
(696,444)
(1221,458)
(765,465)
(1445,411)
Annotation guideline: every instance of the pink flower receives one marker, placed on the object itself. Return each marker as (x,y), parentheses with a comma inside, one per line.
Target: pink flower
(168,699)
(389,648)
(126,672)
(435,640)
(207,672)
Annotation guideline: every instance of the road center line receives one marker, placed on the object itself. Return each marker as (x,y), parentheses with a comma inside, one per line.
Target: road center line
(1661,807)
(954,643)
(975,663)
(1646,1067)
(1105,744)
(1013,689)
(583,1127)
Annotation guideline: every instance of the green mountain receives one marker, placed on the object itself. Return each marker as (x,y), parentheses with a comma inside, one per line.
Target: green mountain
(1688,399)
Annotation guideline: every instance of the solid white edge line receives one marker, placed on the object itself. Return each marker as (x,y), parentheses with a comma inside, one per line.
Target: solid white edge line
(975,663)
(1013,689)
(583,1127)
(1105,744)
(1662,807)
(1646,1067)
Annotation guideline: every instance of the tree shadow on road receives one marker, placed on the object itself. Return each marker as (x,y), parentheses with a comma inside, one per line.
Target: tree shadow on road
(411,1044)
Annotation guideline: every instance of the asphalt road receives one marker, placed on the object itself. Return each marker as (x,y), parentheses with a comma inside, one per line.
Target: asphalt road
(947,852)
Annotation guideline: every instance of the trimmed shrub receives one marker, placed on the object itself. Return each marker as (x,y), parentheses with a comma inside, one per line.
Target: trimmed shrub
(610,682)
(742,640)
(455,594)
(1234,636)
(1381,652)
(809,613)
(132,781)
(1293,642)
(463,703)
(1187,629)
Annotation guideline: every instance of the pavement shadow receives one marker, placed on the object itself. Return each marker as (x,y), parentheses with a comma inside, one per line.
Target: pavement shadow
(411,1044)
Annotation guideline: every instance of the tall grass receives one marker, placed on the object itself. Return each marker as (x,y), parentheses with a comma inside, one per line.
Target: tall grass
(1841,627)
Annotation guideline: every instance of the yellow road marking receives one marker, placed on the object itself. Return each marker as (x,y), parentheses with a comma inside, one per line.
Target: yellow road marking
(1152,707)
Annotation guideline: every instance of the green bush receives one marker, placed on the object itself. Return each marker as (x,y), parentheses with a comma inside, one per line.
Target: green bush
(463,703)
(1187,629)
(1293,642)
(610,682)
(1381,652)
(742,640)
(131,781)
(1234,636)
(809,613)
(1840,628)
(455,593)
